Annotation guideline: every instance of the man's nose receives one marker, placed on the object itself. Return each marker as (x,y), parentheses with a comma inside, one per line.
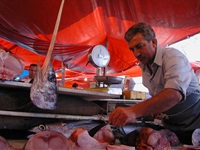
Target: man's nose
(136,52)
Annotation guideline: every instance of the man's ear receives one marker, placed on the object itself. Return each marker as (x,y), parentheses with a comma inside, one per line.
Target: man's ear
(154,42)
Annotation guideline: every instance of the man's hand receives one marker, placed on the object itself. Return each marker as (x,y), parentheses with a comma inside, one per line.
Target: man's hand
(121,116)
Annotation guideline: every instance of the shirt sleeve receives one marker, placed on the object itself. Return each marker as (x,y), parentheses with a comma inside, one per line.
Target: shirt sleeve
(177,72)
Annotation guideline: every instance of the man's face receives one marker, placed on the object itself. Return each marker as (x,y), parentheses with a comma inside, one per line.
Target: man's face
(32,71)
(143,50)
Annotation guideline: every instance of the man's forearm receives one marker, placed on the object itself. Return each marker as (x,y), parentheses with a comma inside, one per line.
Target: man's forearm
(158,103)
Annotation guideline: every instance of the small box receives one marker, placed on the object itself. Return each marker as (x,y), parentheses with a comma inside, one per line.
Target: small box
(129,94)
(92,84)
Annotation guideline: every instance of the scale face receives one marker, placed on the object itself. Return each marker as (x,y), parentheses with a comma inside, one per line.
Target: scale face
(100,56)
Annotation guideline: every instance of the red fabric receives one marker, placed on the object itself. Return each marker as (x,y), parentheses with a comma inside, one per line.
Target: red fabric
(26,29)
(195,65)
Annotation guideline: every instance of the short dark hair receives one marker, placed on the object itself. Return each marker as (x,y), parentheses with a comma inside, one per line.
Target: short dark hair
(35,65)
(75,85)
(144,28)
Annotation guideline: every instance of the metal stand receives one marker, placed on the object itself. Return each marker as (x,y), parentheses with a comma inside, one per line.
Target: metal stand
(100,71)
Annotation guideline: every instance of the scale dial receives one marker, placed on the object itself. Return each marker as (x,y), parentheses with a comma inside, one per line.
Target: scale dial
(100,56)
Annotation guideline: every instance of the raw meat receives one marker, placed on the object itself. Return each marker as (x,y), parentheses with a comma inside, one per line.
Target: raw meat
(4,145)
(10,65)
(150,139)
(171,137)
(105,134)
(47,140)
(80,139)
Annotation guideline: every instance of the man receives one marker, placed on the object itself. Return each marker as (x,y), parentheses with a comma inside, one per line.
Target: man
(32,72)
(171,81)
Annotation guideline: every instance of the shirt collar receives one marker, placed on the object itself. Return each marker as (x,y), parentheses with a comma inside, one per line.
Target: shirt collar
(158,57)
(157,60)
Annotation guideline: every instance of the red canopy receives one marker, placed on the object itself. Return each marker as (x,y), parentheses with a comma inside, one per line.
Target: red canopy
(26,29)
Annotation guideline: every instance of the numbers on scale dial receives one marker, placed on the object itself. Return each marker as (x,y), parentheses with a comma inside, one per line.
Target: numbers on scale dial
(101,56)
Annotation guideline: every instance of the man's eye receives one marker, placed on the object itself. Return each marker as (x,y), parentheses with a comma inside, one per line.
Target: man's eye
(139,46)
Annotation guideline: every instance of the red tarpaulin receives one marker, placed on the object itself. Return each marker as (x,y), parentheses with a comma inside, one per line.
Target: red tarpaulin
(26,29)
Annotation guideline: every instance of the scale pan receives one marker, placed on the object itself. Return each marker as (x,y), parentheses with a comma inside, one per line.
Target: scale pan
(108,79)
